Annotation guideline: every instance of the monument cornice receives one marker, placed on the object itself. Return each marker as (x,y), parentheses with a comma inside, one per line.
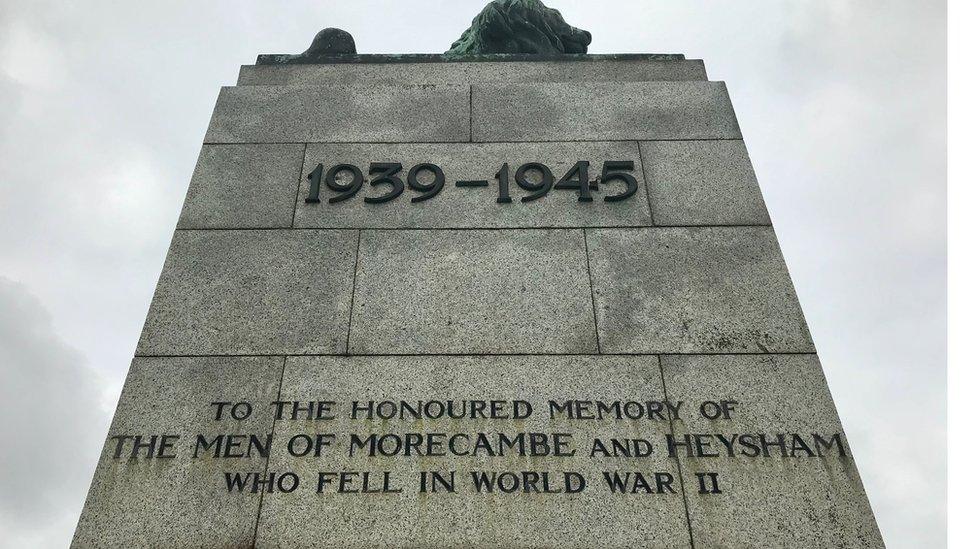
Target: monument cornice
(287,59)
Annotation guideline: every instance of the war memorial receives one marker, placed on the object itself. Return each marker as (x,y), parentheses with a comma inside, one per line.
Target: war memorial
(514,295)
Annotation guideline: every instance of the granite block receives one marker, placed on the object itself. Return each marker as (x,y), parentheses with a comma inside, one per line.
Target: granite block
(474,72)
(459,292)
(243,186)
(602,111)
(594,517)
(252,292)
(776,501)
(694,290)
(702,183)
(341,114)
(474,207)
(180,501)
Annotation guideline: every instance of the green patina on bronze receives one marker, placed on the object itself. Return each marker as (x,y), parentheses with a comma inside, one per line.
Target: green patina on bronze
(520,26)
(327,43)
(373,58)
(505,30)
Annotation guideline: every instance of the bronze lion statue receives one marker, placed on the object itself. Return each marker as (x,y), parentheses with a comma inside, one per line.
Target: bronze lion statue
(520,26)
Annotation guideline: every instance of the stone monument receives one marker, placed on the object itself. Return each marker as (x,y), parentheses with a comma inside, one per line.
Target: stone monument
(520,299)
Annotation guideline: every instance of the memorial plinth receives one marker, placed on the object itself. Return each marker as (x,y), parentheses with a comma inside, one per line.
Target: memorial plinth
(503,301)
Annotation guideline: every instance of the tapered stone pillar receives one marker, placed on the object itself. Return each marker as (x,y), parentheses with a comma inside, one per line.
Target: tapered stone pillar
(509,301)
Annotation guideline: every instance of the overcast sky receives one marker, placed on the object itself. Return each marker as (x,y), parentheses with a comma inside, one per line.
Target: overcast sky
(103,107)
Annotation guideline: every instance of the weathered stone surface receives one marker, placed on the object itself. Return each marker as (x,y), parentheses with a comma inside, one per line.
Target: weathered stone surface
(243,186)
(605,111)
(461,298)
(520,26)
(702,183)
(803,502)
(694,290)
(252,292)
(476,207)
(341,114)
(471,72)
(593,518)
(457,292)
(179,502)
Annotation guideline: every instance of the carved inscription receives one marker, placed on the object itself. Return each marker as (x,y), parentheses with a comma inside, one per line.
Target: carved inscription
(427,180)
(446,434)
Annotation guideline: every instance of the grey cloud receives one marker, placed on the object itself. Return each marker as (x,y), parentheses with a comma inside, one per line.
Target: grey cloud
(52,423)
